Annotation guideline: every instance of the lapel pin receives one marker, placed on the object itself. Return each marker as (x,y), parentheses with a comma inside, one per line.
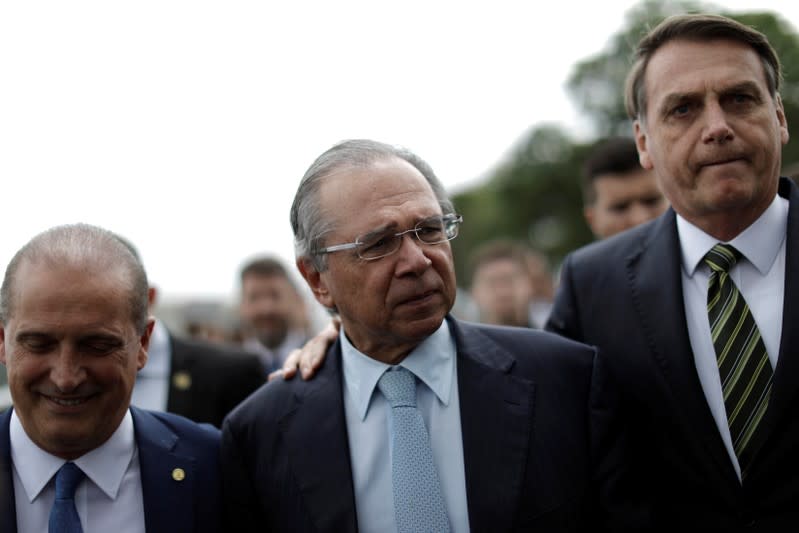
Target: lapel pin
(178,474)
(182,380)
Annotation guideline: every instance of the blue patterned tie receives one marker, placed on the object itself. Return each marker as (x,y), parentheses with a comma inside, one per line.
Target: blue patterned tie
(418,502)
(64,516)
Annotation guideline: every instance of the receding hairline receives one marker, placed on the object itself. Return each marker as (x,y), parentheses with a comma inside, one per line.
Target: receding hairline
(81,247)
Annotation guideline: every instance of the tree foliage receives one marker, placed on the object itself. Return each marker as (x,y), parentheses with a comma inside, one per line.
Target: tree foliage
(535,197)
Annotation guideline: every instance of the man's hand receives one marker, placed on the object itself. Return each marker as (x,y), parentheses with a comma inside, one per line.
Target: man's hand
(309,358)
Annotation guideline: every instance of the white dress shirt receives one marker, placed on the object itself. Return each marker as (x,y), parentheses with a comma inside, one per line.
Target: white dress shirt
(151,390)
(109,499)
(759,276)
(367,414)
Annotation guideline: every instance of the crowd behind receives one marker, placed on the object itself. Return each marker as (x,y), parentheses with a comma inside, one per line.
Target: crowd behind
(656,418)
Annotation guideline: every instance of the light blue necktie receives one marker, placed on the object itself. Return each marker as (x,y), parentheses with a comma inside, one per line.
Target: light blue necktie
(64,516)
(418,501)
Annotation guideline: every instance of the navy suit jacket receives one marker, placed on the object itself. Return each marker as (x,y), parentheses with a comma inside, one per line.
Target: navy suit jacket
(624,296)
(524,398)
(165,442)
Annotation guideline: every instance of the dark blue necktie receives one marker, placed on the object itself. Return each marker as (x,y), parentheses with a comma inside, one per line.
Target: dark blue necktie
(64,516)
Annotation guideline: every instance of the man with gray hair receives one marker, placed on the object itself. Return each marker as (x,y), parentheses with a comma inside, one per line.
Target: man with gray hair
(74,456)
(416,421)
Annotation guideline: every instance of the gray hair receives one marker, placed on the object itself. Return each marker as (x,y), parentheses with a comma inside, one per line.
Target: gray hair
(307,221)
(80,245)
(695,27)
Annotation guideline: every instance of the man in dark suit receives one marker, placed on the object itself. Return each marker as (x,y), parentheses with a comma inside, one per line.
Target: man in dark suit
(195,379)
(74,333)
(708,119)
(492,432)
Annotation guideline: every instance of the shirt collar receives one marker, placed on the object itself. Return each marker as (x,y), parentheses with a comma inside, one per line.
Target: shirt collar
(759,243)
(432,362)
(105,465)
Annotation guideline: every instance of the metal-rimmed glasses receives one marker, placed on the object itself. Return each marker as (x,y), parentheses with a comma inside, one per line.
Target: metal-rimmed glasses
(377,244)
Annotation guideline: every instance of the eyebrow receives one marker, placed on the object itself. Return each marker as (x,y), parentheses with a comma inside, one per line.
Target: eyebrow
(673,99)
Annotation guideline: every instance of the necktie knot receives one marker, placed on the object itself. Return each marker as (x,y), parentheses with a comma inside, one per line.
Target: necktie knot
(722,257)
(398,385)
(67,480)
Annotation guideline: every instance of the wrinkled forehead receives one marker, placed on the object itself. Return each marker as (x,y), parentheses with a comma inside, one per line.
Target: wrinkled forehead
(383,192)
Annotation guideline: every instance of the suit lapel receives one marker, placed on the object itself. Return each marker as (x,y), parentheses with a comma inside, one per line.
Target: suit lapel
(786,375)
(167,478)
(8,512)
(496,424)
(655,277)
(179,398)
(316,437)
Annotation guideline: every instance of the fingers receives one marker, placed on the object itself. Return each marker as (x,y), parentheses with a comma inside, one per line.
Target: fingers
(276,374)
(310,357)
(290,365)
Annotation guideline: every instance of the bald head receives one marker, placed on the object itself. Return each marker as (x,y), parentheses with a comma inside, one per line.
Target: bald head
(84,247)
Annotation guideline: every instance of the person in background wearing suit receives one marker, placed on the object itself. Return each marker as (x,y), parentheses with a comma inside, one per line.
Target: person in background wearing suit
(191,378)
(416,421)
(618,193)
(274,319)
(73,453)
(697,310)
(501,283)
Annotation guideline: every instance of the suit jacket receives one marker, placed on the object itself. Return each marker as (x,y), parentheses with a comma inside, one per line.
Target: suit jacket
(208,381)
(523,406)
(165,442)
(624,295)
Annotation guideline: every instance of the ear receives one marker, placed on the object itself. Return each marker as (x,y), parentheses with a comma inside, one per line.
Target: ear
(781,120)
(316,282)
(141,357)
(641,143)
(152,296)
(588,214)
(2,343)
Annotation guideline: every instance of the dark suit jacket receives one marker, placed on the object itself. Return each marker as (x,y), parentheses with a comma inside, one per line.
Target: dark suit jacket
(624,295)
(207,381)
(524,416)
(165,442)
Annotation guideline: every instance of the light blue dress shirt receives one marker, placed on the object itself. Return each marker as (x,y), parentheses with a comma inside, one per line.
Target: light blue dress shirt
(759,276)
(434,363)
(151,390)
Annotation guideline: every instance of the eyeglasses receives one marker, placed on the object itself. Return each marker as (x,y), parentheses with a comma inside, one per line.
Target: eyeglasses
(377,244)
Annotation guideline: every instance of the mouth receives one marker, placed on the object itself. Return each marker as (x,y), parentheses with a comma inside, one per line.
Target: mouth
(67,403)
(417,299)
(725,161)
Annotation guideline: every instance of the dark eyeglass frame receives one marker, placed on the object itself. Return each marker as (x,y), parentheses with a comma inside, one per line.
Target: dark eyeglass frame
(449,224)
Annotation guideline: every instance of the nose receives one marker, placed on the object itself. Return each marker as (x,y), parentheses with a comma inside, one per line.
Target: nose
(717,129)
(67,372)
(411,256)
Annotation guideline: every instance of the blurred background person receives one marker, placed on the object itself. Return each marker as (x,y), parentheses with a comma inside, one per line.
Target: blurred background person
(273,314)
(542,283)
(501,284)
(195,379)
(618,193)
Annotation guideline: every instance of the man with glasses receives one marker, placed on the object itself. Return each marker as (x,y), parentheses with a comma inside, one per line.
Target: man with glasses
(416,421)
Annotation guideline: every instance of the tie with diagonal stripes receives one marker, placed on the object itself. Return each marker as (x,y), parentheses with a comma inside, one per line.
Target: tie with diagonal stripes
(744,367)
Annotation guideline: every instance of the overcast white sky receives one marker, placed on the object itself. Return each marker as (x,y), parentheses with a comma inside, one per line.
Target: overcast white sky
(186,125)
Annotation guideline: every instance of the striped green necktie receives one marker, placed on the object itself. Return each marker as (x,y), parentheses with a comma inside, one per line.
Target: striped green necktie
(744,366)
